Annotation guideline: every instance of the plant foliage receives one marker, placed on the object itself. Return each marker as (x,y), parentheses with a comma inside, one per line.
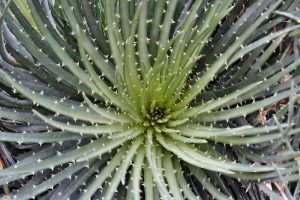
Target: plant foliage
(149,99)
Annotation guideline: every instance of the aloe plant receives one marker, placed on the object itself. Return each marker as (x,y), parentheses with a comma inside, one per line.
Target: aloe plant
(149,99)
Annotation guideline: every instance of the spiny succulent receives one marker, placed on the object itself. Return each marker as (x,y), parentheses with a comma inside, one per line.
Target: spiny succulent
(149,99)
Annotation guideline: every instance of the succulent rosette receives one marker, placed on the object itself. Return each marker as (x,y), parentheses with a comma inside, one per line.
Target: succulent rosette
(147,99)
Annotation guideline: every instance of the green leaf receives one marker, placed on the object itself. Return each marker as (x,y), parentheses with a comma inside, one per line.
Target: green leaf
(169,173)
(137,173)
(136,143)
(61,158)
(51,182)
(243,110)
(104,174)
(194,156)
(203,179)
(156,172)
(41,138)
